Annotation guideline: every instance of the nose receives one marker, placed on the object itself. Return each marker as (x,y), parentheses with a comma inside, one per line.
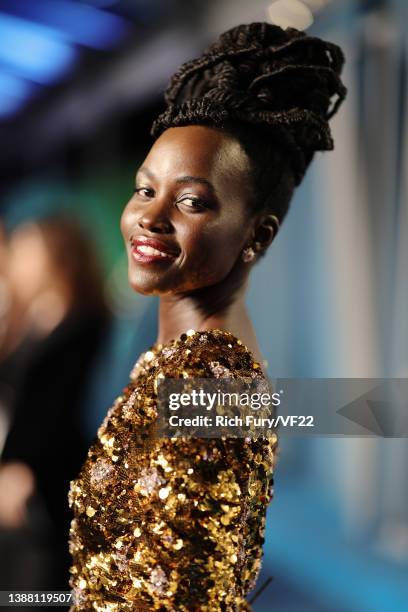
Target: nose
(155,219)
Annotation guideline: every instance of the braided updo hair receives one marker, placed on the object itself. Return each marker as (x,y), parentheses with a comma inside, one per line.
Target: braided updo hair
(271,89)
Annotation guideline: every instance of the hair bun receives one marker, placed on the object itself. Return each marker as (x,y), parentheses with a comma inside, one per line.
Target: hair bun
(265,75)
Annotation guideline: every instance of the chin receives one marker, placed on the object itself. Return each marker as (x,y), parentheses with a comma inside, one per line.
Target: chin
(155,282)
(150,284)
(163,287)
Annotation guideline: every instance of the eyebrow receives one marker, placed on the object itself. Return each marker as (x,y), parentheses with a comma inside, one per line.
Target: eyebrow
(182,179)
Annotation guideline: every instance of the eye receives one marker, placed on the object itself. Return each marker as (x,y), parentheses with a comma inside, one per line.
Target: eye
(145,192)
(195,204)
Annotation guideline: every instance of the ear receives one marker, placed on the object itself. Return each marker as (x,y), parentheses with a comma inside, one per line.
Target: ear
(265,231)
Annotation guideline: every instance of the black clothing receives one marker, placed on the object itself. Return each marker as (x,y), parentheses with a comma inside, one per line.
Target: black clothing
(47,432)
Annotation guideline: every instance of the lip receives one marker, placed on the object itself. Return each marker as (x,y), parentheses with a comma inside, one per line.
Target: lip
(141,250)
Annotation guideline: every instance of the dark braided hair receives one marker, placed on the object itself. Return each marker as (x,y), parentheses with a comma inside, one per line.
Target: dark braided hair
(271,89)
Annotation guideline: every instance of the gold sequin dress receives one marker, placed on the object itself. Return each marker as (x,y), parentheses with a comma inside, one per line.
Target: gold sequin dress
(170,524)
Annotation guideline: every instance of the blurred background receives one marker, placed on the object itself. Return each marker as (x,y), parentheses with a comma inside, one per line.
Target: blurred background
(80,82)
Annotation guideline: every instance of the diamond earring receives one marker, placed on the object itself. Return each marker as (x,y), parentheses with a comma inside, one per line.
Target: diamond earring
(248,254)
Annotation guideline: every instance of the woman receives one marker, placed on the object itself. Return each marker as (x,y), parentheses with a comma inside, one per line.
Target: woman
(58,294)
(177,524)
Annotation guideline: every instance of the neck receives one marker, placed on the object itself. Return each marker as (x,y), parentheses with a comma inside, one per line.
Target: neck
(215,307)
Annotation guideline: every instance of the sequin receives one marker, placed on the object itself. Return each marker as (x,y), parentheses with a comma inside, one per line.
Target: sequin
(158,580)
(178,545)
(164,493)
(149,481)
(101,473)
(170,524)
(219,370)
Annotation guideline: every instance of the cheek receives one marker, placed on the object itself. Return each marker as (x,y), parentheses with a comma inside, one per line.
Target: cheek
(126,220)
(214,248)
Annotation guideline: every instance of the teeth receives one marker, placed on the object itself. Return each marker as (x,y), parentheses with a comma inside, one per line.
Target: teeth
(148,250)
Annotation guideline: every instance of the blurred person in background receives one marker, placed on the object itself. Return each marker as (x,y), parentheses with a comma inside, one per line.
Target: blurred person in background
(57,290)
(14,343)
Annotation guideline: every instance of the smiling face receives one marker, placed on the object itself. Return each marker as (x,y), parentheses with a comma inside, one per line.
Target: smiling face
(189,218)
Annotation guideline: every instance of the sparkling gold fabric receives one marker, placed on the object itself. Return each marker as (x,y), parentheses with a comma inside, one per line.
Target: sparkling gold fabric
(170,524)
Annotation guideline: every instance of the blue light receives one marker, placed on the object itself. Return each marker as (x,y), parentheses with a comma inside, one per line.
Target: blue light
(102,3)
(75,22)
(14,93)
(33,51)
(13,86)
(9,106)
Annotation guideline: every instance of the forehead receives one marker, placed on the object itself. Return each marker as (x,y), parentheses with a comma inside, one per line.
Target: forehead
(198,151)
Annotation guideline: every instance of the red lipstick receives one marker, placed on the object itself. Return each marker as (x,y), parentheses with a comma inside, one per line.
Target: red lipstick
(148,250)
